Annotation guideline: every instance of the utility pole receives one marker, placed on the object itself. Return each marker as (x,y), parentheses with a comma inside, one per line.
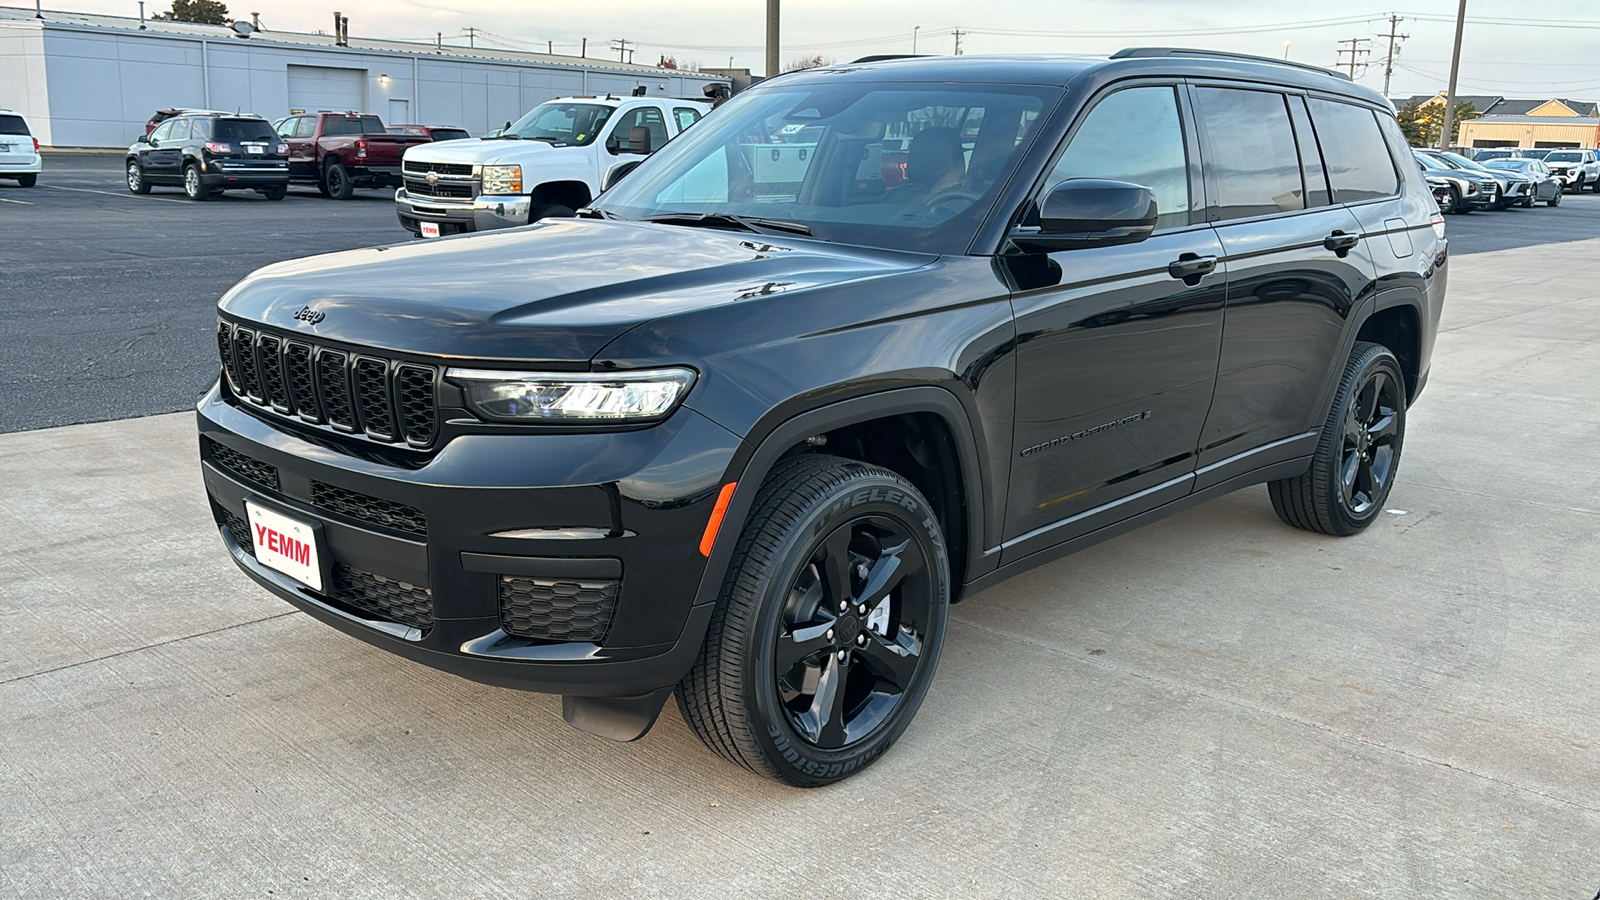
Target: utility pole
(584,52)
(958,33)
(1455,69)
(1356,51)
(1388,62)
(472,36)
(772,38)
(621,46)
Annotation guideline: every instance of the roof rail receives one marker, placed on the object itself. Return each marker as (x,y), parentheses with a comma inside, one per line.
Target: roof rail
(880,57)
(1149,52)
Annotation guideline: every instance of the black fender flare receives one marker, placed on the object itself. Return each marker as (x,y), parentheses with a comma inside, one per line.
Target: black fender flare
(752,470)
(1377,302)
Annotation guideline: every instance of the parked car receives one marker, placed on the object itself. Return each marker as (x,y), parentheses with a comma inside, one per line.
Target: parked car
(431,132)
(19,149)
(1467,190)
(208,154)
(161,115)
(548,164)
(1577,169)
(742,432)
(339,152)
(1512,188)
(1547,188)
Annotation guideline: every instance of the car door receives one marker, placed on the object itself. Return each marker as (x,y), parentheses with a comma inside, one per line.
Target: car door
(1116,346)
(1297,268)
(166,151)
(302,146)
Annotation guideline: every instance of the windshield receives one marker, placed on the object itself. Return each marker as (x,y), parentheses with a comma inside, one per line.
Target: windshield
(1461,162)
(559,122)
(1515,164)
(1566,156)
(243,130)
(905,166)
(1432,164)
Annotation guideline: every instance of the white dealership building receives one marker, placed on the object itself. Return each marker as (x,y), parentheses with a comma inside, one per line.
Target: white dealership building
(93,81)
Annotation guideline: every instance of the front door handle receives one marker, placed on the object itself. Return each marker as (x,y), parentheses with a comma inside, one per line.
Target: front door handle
(1192,267)
(1341,243)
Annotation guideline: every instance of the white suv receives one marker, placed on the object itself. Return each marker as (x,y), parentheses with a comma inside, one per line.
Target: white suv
(19,149)
(549,163)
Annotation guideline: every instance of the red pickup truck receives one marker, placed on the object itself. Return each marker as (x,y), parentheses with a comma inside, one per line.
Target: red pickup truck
(339,152)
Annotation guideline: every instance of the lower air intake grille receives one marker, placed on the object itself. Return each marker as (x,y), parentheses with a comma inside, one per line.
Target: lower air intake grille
(249,469)
(241,533)
(382,598)
(386,513)
(546,609)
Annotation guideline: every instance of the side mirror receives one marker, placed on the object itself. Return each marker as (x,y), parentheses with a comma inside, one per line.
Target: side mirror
(614,144)
(140,138)
(616,173)
(1090,212)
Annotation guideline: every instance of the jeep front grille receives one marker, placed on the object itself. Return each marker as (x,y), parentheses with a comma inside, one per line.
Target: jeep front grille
(384,399)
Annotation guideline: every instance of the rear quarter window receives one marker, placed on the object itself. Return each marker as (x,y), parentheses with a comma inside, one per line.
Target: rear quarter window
(1354,152)
(13,125)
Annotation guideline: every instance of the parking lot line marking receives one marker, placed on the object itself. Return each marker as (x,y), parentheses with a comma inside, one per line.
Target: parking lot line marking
(9,200)
(111,193)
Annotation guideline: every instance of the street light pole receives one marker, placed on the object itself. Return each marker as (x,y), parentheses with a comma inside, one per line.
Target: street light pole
(772,38)
(1455,69)
(914,31)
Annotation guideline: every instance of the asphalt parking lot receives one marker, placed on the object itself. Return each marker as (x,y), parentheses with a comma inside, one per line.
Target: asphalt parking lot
(1213,706)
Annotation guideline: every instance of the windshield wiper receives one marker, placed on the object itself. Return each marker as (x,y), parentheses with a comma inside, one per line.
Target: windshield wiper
(753,224)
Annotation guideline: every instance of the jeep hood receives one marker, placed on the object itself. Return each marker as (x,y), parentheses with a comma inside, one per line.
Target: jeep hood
(554,292)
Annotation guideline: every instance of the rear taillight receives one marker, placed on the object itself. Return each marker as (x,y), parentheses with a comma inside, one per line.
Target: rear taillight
(36,145)
(282,149)
(217,147)
(1438,224)
(361,148)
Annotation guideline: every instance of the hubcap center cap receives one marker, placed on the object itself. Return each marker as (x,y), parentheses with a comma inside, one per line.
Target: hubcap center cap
(846,629)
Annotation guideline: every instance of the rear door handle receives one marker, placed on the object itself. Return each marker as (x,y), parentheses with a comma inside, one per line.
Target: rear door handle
(1192,267)
(1341,243)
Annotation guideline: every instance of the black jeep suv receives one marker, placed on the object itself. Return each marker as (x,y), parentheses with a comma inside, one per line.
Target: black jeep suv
(868,340)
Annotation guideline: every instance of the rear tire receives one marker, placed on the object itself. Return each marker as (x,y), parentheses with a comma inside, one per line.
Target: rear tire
(829,624)
(339,185)
(1555,201)
(28,180)
(276,193)
(192,188)
(1356,460)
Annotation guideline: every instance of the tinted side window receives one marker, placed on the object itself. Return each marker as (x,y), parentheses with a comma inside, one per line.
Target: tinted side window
(1357,159)
(1134,135)
(200,129)
(646,117)
(1252,156)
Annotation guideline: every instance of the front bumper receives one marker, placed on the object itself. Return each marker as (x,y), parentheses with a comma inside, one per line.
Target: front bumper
(612,520)
(457,215)
(1571,177)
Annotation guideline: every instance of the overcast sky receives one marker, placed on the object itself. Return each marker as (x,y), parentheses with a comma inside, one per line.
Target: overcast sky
(1533,49)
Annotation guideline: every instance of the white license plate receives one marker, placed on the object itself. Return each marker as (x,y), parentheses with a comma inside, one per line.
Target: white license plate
(285,544)
(254,148)
(430,229)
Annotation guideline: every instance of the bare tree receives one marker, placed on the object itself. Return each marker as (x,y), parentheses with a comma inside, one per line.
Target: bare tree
(809,62)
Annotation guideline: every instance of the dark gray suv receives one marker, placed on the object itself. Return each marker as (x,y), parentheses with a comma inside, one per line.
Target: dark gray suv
(867,340)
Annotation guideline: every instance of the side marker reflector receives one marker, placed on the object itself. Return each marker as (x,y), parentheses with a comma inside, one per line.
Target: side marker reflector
(717,512)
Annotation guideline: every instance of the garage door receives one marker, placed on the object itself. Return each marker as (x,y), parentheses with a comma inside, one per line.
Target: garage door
(314,88)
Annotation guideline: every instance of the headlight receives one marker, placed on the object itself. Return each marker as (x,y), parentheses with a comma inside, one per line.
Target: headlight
(635,396)
(502,179)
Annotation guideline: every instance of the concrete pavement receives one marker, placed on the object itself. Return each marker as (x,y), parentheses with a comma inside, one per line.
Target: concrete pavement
(1215,706)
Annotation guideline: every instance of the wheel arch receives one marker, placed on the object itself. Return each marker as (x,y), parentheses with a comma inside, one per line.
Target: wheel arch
(571,193)
(940,459)
(1397,325)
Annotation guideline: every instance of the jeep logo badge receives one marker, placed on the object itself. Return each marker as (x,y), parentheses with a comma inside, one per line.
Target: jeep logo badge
(309,315)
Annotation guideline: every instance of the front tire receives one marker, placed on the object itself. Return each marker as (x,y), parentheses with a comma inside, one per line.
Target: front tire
(192,188)
(136,182)
(1451,202)
(829,626)
(1555,200)
(1355,462)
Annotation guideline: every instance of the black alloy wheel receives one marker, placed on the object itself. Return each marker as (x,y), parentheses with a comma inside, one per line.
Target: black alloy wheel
(829,627)
(1356,458)
(136,182)
(340,187)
